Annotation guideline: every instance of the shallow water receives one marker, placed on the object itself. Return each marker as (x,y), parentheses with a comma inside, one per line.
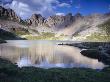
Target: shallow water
(46,54)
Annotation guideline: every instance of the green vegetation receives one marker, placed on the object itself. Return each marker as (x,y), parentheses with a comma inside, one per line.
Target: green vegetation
(76,35)
(2,41)
(34,31)
(21,31)
(98,37)
(43,36)
(106,27)
(11,73)
(3,18)
(5,35)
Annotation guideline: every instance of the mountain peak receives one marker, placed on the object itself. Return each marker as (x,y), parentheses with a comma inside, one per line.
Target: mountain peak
(78,15)
(8,14)
(69,14)
(36,16)
(36,20)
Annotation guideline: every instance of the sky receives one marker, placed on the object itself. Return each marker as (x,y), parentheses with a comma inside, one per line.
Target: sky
(25,8)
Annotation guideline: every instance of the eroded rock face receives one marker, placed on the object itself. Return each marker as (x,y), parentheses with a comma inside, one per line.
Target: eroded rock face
(68,25)
(78,16)
(60,21)
(55,21)
(9,14)
(36,20)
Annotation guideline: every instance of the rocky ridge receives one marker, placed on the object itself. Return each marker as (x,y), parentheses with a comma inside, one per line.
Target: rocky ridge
(67,25)
(8,14)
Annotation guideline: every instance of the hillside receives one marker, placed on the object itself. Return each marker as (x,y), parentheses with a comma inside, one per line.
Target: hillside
(57,27)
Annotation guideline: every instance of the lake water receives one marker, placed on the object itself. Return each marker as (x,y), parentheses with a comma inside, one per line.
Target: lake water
(46,54)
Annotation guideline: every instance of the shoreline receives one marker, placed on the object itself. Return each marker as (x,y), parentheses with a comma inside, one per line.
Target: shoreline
(11,73)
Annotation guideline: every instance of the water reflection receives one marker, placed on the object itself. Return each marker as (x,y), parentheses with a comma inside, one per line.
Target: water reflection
(46,54)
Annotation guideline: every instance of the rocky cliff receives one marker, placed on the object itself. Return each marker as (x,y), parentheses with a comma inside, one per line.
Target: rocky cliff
(77,27)
(8,14)
(36,20)
(60,22)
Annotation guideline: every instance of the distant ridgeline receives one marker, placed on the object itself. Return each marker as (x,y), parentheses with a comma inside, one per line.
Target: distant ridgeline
(94,27)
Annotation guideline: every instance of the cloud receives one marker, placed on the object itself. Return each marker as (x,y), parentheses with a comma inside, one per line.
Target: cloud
(25,8)
(22,9)
(60,14)
(64,5)
(5,2)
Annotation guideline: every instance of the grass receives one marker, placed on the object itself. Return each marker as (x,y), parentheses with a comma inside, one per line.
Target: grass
(98,37)
(42,36)
(11,73)
(20,32)
(45,36)
(3,17)
(6,35)
(106,27)
(2,41)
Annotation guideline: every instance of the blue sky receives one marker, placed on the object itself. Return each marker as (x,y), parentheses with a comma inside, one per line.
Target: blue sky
(25,8)
(87,6)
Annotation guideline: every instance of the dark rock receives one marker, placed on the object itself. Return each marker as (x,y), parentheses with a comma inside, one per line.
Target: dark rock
(8,14)
(59,21)
(91,53)
(78,15)
(96,54)
(36,20)
(6,35)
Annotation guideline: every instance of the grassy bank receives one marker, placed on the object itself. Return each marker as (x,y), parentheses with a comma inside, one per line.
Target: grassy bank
(98,37)
(43,36)
(6,35)
(11,73)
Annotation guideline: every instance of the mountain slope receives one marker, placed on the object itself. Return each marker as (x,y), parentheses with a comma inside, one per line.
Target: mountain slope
(68,27)
(85,27)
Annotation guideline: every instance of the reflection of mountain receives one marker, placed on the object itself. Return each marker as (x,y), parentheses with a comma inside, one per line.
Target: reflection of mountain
(77,27)
(48,53)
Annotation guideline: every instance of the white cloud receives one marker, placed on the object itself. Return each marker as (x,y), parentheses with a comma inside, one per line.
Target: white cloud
(64,5)
(22,9)
(60,14)
(25,8)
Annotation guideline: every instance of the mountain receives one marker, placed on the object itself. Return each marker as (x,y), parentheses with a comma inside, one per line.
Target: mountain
(87,28)
(77,27)
(36,20)
(8,14)
(60,22)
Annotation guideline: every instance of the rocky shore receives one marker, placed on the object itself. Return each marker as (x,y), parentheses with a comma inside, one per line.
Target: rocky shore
(96,50)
